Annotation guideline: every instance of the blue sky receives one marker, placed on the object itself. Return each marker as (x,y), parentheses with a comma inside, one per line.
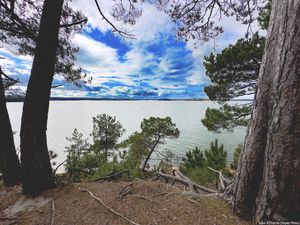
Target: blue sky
(153,66)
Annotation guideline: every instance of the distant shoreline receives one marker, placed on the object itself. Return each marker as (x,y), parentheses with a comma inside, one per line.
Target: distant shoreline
(118,99)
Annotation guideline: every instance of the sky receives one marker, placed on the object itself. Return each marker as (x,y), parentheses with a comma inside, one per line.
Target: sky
(154,65)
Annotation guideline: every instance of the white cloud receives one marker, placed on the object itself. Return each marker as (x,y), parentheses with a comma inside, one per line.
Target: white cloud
(94,55)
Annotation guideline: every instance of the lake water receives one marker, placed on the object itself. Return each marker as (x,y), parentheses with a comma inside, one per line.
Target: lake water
(64,116)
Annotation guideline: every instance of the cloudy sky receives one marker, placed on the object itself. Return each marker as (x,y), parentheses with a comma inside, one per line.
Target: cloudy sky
(155,65)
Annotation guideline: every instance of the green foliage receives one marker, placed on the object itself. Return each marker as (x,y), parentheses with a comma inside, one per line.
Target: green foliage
(194,159)
(216,156)
(20,30)
(168,159)
(233,73)
(236,156)
(138,146)
(227,117)
(142,144)
(195,164)
(76,150)
(91,160)
(157,130)
(156,127)
(106,133)
(201,175)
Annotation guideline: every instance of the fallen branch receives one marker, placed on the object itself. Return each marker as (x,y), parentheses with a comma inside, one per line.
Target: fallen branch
(107,207)
(53,214)
(114,176)
(191,186)
(224,181)
(186,182)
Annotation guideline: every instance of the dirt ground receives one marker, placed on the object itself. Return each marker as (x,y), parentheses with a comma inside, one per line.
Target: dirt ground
(136,202)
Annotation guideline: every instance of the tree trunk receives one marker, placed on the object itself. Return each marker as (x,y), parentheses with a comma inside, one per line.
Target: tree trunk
(150,153)
(267,184)
(10,165)
(37,172)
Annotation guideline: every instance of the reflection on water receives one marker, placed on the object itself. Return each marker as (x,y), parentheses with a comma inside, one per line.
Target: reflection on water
(64,116)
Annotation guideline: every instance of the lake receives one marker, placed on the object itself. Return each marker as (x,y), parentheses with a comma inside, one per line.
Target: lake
(64,116)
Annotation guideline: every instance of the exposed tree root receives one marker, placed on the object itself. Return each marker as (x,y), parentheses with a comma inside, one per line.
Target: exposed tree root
(186,182)
(53,214)
(109,208)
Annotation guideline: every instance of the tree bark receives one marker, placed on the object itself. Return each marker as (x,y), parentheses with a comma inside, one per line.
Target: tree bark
(37,172)
(150,153)
(267,184)
(10,165)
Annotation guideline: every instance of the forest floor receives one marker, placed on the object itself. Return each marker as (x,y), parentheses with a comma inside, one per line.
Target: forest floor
(123,203)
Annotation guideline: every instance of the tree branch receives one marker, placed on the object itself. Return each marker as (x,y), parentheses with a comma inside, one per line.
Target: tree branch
(120,32)
(73,24)
(109,208)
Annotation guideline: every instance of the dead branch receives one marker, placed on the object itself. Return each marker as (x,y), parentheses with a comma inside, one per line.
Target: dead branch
(187,183)
(114,176)
(109,208)
(53,214)
(191,186)
(224,181)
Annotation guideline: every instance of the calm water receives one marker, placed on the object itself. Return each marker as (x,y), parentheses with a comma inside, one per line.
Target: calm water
(64,116)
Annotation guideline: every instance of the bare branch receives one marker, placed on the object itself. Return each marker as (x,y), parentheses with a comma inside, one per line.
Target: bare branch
(124,34)
(109,208)
(73,24)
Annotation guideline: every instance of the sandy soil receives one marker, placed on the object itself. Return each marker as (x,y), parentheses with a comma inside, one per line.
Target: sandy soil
(142,202)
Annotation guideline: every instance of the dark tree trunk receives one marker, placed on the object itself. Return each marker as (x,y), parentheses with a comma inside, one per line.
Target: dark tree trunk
(10,165)
(37,173)
(150,153)
(268,177)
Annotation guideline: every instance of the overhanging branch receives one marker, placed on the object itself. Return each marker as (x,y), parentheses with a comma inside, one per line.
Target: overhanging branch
(124,34)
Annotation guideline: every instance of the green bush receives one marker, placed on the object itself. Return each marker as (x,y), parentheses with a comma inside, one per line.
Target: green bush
(194,159)
(196,162)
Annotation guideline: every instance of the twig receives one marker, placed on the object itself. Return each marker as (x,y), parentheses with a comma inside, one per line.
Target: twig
(107,207)
(53,214)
